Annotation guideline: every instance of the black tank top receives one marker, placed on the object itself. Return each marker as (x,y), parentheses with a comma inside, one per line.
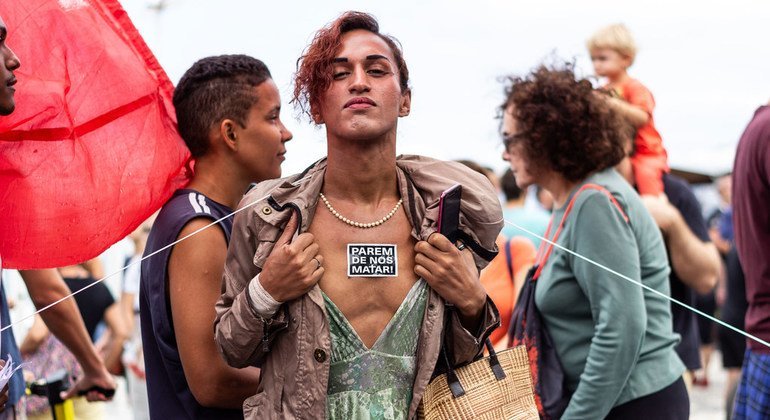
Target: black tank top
(169,395)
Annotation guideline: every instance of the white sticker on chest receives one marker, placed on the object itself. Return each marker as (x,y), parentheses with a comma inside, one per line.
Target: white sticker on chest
(372,260)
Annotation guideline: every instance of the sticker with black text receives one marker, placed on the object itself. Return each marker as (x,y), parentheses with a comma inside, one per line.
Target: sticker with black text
(372,260)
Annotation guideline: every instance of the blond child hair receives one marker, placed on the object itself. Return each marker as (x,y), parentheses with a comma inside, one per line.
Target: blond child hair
(616,37)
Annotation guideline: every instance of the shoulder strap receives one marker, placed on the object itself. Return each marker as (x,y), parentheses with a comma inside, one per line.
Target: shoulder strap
(606,192)
(544,253)
(475,246)
(453,381)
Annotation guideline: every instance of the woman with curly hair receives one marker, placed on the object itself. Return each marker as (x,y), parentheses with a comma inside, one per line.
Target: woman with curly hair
(613,338)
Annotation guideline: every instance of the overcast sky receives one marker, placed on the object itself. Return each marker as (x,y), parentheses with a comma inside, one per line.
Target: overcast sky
(707,63)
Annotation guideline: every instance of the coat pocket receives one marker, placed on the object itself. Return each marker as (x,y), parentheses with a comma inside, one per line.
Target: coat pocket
(255,407)
(263,251)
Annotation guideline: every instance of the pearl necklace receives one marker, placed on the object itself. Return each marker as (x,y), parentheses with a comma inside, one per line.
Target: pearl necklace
(359,224)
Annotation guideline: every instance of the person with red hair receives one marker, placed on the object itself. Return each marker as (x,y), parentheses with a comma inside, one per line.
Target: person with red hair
(336,281)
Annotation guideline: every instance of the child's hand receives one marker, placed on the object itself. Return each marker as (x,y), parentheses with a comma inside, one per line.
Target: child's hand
(601,94)
(607,92)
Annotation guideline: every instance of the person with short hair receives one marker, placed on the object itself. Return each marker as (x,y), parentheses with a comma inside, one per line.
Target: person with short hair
(336,281)
(228,108)
(613,51)
(614,339)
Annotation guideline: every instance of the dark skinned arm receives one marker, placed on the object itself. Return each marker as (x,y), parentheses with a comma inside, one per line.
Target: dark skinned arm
(195,275)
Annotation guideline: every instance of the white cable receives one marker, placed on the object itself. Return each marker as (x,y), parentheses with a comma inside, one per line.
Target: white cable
(703,314)
(142,259)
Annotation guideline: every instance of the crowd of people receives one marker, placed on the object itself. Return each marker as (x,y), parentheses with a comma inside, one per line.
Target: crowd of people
(262,315)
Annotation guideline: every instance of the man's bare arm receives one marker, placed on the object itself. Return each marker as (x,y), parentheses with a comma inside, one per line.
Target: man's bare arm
(195,277)
(695,262)
(66,323)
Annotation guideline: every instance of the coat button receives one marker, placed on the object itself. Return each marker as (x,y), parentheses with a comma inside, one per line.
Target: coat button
(320,355)
(266,210)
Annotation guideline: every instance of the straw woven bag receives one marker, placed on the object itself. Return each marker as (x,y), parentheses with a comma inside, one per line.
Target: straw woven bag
(495,387)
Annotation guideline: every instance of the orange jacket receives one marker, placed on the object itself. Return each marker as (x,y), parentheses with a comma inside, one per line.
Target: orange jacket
(503,290)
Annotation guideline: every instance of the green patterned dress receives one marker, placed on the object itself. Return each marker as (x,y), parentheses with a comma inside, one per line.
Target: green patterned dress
(375,383)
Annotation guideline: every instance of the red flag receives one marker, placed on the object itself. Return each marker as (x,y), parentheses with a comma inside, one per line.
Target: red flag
(92,149)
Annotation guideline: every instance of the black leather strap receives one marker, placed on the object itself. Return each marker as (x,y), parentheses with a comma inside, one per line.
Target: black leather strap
(474,246)
(494,363)
(451,376)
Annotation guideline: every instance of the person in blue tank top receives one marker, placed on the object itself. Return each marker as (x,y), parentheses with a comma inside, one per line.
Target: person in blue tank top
(228,109)
(45,287)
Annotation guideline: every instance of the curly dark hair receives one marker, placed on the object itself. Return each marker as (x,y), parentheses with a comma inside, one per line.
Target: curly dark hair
(563,124)
(314,68)
(213,89)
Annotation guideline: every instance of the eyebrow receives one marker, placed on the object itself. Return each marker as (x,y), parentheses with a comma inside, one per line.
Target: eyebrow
(376,57)
(371,57)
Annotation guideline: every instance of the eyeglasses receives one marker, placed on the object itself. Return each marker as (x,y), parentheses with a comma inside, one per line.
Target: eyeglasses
(511,139)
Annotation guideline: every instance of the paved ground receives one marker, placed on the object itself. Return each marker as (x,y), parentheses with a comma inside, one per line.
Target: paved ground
(708,403)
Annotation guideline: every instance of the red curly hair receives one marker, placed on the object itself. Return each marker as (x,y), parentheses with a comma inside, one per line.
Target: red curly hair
(314,68)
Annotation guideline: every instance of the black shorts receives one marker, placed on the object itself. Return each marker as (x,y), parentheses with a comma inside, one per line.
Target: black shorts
(670,403)
(733,346)
(706,303)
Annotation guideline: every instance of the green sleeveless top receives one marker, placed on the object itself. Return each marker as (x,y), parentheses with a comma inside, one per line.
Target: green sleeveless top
(375,383)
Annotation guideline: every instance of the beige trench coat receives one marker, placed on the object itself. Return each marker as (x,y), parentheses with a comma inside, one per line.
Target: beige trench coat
(293,348)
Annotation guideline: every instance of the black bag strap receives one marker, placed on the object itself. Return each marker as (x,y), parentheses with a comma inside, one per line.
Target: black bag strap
(482,252)
(451,376)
